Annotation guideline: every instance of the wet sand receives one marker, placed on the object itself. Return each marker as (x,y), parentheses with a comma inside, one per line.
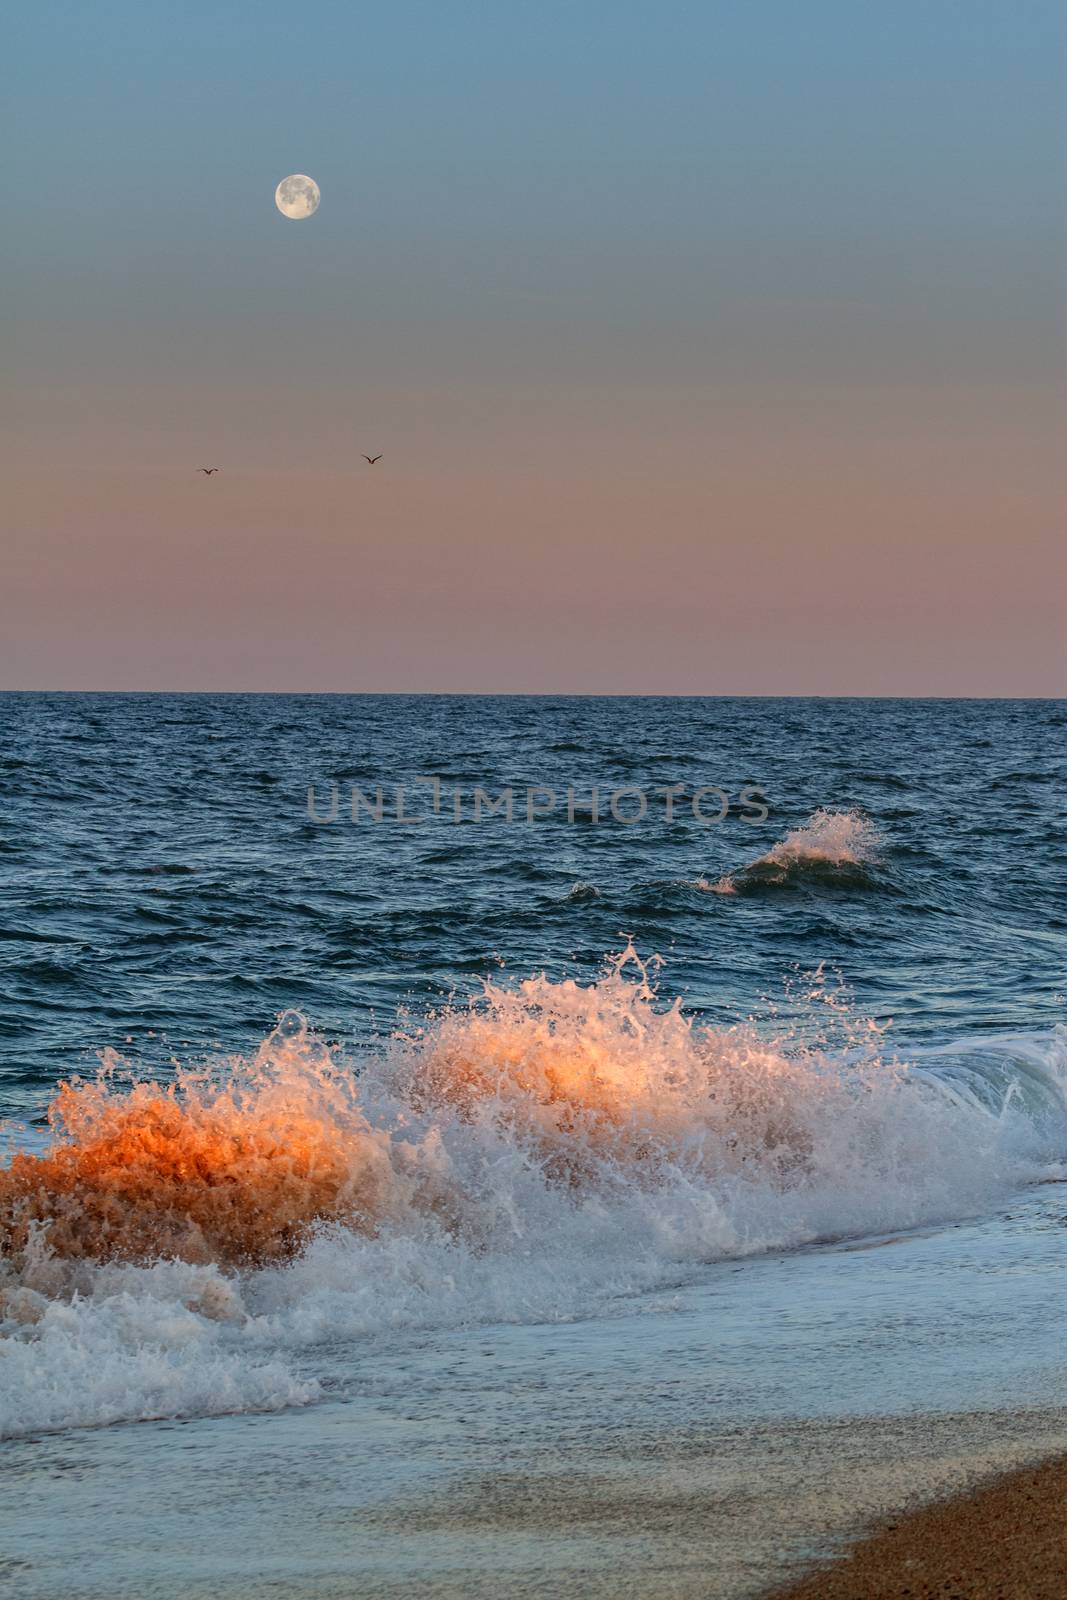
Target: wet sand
(338,1501)
(690,1514)
(1006,1541)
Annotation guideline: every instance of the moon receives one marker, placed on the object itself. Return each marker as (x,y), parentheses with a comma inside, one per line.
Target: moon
(297,197)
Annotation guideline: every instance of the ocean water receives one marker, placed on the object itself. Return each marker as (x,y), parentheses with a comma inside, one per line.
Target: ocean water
(423,1143)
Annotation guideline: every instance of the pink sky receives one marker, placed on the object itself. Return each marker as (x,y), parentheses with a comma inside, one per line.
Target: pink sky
(884,546)
(722,355)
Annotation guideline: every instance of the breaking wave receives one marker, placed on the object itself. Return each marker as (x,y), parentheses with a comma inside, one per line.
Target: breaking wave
(832,847)
(532,1155)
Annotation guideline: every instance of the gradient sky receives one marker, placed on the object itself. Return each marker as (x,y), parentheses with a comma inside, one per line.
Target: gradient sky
(713,347)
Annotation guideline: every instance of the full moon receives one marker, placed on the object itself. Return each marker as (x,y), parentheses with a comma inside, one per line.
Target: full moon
(297,197)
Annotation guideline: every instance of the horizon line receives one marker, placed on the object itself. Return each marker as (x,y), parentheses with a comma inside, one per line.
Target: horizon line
(530,694)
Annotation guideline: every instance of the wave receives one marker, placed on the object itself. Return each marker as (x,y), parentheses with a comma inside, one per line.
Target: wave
(832,847)
(533,1155)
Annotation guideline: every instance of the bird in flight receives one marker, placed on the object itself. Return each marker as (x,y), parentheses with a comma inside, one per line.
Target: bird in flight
(207,471)
(370,460)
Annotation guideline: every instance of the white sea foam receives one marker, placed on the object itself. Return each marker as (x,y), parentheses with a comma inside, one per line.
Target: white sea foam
(150,1348)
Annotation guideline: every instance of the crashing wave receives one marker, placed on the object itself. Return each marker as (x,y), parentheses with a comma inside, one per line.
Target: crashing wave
(544,1148)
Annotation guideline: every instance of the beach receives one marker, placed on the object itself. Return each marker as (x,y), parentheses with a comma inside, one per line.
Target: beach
(533,802)
(327,1508)
(1005,1541)
(554,1205)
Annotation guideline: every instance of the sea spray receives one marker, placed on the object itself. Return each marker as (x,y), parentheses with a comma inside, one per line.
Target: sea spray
(534,1154)
(234,1173)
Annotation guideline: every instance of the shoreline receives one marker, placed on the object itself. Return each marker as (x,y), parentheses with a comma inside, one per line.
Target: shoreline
(360,1496)
(1006,1539)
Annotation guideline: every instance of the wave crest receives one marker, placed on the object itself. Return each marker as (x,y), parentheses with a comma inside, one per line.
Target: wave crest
(599,1091)
(836,846)
(600,1085)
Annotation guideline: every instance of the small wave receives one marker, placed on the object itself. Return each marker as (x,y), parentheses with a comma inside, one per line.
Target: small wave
(832,846)
(583,891)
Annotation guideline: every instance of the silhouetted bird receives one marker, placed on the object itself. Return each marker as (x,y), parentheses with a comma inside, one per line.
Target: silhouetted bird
(370,460)
(207,471)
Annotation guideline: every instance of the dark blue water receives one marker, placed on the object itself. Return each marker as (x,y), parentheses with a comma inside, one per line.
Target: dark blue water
(163,889)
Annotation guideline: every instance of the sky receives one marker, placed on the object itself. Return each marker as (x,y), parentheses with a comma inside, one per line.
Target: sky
(712,347)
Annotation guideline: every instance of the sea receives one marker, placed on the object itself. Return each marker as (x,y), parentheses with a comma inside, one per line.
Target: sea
(458,1144)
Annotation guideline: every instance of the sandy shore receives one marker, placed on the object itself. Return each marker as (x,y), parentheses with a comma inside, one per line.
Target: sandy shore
(342,1500)
(1006,1541)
